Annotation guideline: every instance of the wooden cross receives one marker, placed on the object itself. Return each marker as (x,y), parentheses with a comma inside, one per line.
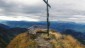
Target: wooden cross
(48,22)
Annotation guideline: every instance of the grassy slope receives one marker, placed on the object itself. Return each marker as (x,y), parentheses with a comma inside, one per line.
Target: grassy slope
(58,40)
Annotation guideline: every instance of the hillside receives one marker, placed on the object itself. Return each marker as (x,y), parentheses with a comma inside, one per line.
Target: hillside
(4,35)
(39,39)
(80,36)
(2,43)
(7,34)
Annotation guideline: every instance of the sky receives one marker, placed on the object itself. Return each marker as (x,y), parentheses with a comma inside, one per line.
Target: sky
(35,10)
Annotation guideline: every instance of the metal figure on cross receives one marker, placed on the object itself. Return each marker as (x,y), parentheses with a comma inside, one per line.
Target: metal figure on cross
(48,22)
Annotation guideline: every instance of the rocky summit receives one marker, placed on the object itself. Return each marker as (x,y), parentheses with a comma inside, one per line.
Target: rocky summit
(38,38)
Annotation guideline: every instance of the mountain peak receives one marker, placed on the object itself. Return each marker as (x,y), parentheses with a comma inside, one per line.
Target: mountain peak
(42,40)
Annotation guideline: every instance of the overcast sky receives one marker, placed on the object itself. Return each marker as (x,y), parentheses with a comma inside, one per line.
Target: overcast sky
(35,10)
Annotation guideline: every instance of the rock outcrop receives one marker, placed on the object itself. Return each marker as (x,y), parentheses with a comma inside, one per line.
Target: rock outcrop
(41,40)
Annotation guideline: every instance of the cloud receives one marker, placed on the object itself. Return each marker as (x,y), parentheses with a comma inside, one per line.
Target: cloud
(74,18)
(62,10)
(18,18)
(17,7)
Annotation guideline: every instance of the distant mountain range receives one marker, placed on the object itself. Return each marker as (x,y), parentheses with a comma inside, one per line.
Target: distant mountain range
(58,26)
(10,29)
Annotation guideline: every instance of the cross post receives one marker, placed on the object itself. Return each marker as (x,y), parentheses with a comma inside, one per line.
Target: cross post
(47,10)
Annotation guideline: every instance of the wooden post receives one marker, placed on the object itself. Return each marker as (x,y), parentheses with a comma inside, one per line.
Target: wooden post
(47,10)
(48,23)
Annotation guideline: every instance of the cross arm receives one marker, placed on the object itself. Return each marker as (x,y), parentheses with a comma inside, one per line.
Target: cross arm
(47,3)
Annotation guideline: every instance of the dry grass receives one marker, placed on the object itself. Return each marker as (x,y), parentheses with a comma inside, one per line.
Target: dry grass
(58,40)
(22,41)
(65,41)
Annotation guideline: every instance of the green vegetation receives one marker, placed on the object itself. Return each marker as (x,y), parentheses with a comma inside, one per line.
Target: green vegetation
(2,43)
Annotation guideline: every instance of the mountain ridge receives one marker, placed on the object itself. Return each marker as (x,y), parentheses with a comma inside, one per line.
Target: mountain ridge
(42,40)
(13,32)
